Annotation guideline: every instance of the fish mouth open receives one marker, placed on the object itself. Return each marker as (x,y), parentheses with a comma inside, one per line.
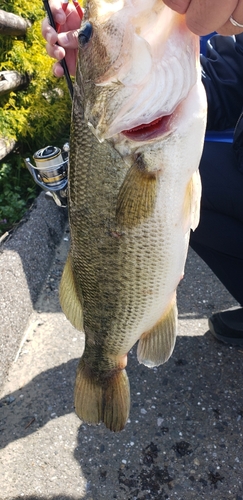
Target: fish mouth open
(147,131)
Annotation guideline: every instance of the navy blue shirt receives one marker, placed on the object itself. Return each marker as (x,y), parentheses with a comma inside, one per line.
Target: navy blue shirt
(222,76)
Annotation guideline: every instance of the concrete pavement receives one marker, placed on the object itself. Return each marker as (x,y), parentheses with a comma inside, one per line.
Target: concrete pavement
(25,258)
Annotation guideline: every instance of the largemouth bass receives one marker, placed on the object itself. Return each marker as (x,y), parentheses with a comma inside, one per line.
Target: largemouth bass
(134,192)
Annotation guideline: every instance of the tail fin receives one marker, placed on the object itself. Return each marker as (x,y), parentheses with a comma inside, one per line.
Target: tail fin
(102,400)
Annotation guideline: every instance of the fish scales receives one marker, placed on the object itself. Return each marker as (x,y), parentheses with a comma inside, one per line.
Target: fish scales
(134,194)
(118,264)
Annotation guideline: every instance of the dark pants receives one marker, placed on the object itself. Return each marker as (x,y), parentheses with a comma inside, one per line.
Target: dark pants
(218,240)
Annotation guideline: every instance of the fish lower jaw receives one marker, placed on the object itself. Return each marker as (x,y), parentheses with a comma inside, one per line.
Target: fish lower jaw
(160,127)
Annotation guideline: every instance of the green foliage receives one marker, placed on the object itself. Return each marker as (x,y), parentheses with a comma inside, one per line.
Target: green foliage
(31,10)
(36,116)
(17,190)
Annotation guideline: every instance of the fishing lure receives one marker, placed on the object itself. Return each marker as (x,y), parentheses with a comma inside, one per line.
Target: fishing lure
(77,7)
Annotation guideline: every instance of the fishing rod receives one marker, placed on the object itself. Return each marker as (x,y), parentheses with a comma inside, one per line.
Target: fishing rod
(50,168)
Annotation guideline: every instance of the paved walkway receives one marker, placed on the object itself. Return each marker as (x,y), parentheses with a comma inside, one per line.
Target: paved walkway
(185,433)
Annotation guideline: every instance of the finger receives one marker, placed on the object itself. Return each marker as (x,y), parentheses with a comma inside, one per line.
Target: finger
(68,20)
(68,39)
(229,28)
(71,59)
(207,16)
(58,70)
(57,11)
(180,6)
(48,32)
(55,51)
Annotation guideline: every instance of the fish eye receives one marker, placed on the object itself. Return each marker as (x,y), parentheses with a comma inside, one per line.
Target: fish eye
(85,33)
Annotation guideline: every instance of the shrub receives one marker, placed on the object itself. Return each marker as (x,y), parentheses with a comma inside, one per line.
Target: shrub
(34,117)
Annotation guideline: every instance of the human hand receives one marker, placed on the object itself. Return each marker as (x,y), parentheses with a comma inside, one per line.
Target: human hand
(67,36)
(204,17)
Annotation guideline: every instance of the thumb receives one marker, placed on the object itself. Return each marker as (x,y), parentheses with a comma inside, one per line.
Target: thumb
(68,39)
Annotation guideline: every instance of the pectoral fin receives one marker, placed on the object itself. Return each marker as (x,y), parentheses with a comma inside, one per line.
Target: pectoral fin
(156,346)
(137,196)
(69,300)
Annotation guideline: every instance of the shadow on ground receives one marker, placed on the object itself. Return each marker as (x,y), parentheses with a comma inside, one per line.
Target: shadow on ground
(184,432)
(48,395)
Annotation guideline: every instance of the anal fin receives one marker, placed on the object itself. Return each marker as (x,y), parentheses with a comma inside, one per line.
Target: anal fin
(69,300)
(105,399)
(156,346)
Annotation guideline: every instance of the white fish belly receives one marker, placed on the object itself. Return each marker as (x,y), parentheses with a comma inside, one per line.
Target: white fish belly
(154,252)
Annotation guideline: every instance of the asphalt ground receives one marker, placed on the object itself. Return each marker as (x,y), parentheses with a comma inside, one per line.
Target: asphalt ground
(184,436)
